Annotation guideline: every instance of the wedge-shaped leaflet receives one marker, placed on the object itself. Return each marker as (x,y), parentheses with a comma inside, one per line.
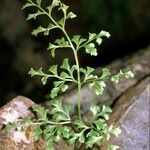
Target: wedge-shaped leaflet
(71,15)
(93,138)
(65,65)
(105,73)
(44,30)
(98,86)
(27,5)
(53,69)
(55,3)
(90,49)
(78,40)
(34,15)
(42,112)
(62,43)
(116,78)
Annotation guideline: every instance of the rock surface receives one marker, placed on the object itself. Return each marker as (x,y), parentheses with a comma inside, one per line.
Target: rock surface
(18,140)
(131,113)
(10,113)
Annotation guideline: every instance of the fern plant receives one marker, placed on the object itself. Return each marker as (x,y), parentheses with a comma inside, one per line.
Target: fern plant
(56,123)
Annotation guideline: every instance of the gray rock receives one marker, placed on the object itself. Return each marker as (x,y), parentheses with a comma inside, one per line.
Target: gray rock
(18,140)
(10,113)
(131,114)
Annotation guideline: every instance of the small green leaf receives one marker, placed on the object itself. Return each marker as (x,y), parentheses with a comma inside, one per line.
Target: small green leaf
(68,109)
(113,130)
(91,36)
(64,8)
(9,127)
(27,119)
(64,87)
(88,73)
(71,15)
(78,40)
(37,131)
(27,5)
(98,86)
(120,75)
(62,43)
(34,15)
(73,138)
(65,132)
(95,109)
(129,74)
(105,73)
(49,129)
(52,46)
(42,112)
(99,40)
(56,3)
(92,133)
(44,80)
(64,75)
(53,52)
(106,110)
(104,33)
(100,124)
(61,22)
(58,83)
(57,136)
(65,64)
(33,72)
(80,124)
(93,138)
(53,69)
(59,116)
(54,92)
(50,27)
(38,30)
(82,138)
(90,49)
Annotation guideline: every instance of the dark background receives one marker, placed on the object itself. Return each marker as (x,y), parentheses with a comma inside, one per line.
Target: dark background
(128,22)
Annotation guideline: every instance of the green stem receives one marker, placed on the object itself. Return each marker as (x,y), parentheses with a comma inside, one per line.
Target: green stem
(75,55)
(50,122)
(78,72)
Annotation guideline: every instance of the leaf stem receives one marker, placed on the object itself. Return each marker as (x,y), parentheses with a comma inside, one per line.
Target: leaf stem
(50,122)
(78,72)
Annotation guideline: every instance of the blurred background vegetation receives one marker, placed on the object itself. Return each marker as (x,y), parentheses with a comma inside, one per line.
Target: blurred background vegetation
(127,21)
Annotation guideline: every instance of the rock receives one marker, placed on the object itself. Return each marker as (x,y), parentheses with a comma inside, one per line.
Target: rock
(11,112)
(112,91)
(18,140)
(131,114)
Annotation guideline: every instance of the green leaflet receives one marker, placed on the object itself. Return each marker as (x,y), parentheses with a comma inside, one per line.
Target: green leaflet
(34,15)
(98,86)
(42,112)
(121,75)
(90,49)
(65,65)
(53,69)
